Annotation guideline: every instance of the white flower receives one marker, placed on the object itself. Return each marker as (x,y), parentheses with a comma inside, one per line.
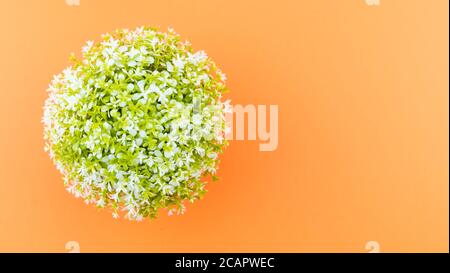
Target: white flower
(141,157)
(163,95)
(197,57)
(143,95)
(149,162)
(120,187)
(154,41)
(222,76)
(179,63)
(88,46)
(112,168)
(132,53)
(196,119)
(169,67)
(200,151)
(101,203)
(71,102)
(123,49)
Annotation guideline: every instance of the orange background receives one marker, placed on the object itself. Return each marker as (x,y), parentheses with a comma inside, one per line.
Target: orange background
(363,127)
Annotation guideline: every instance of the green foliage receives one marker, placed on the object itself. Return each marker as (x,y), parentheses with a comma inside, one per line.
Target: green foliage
(136,122)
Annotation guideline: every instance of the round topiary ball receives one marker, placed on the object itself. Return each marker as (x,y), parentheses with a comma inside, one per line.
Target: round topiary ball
(137,122)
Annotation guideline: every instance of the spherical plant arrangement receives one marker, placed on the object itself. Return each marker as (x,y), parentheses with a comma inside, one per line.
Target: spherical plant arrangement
(137,122)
